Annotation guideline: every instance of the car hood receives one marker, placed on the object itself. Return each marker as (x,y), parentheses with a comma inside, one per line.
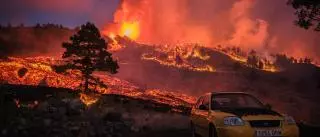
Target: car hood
(240,112)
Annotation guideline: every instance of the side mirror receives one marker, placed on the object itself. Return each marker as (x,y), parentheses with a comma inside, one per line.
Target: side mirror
(268,106)
(203,107)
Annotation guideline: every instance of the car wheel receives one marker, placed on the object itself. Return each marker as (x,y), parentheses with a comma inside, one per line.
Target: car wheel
(212,131)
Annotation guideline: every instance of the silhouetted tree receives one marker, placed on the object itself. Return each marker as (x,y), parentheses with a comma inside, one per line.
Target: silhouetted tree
(253,59)
(308,13)
(307,60)
(87,52)
(234,50)
(300,60)
(267,62)
(37,26)
(282,61)
(238,51)
(179,59)
(260,65)
(291,60)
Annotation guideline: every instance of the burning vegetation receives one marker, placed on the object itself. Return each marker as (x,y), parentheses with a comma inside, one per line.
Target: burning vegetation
(192,57)
(238,25)
(181,46)
(182,57)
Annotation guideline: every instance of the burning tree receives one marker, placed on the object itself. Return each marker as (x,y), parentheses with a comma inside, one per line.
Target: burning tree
(87,52)
(253,59)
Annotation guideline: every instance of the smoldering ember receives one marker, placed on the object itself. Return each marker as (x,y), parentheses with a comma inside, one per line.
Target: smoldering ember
(160,68)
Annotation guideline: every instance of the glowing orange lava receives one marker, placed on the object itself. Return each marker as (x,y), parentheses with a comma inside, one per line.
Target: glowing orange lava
(130,30)
(88,99)
(40,73)
(181,56)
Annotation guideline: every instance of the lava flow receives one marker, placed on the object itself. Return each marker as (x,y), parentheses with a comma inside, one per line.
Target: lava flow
(176,21)
(243,59)
(38,71)
(180,57)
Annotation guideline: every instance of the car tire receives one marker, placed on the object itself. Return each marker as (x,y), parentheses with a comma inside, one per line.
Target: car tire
(212,131)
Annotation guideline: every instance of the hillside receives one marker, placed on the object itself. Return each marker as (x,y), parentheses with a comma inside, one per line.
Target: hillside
(33,41)
(288,91)
(159,74)
(31,110)
(43,111)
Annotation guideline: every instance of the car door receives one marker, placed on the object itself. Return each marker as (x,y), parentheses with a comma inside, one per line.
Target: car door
(195,114)
(203,112)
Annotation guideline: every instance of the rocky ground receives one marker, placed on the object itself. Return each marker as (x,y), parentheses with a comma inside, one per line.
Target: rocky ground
(59,112)
(63,114)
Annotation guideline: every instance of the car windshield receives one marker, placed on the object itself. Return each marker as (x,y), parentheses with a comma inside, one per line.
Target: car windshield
(234,100)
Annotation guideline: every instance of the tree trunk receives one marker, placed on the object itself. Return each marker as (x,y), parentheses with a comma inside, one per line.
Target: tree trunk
(86,84)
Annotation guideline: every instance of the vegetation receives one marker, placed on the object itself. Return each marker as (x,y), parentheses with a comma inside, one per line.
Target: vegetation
(87,52)
(283,61)
(308,13)
(253,59)
(21,40)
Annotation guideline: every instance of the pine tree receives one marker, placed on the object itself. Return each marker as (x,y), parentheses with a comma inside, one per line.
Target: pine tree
(253,59)
(87,52)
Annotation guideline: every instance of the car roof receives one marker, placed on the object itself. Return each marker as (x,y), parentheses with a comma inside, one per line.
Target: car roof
(223,93)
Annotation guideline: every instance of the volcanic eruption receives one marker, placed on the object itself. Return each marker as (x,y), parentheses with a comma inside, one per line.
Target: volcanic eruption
(211,23)
(172,51)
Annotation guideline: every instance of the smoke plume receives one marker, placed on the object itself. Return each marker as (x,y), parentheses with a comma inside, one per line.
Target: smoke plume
(263,25)
(266,26)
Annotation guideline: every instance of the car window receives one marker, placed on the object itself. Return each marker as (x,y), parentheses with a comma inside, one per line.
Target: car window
(235,101)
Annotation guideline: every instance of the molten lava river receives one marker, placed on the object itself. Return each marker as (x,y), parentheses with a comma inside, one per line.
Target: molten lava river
(37,71)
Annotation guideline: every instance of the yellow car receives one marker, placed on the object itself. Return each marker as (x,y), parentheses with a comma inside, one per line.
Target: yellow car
(238,114)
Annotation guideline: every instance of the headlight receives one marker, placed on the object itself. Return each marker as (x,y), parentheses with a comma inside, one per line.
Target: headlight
(289,120)
(233,121)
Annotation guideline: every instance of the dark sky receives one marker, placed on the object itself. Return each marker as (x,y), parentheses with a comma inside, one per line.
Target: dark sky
(67,12)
